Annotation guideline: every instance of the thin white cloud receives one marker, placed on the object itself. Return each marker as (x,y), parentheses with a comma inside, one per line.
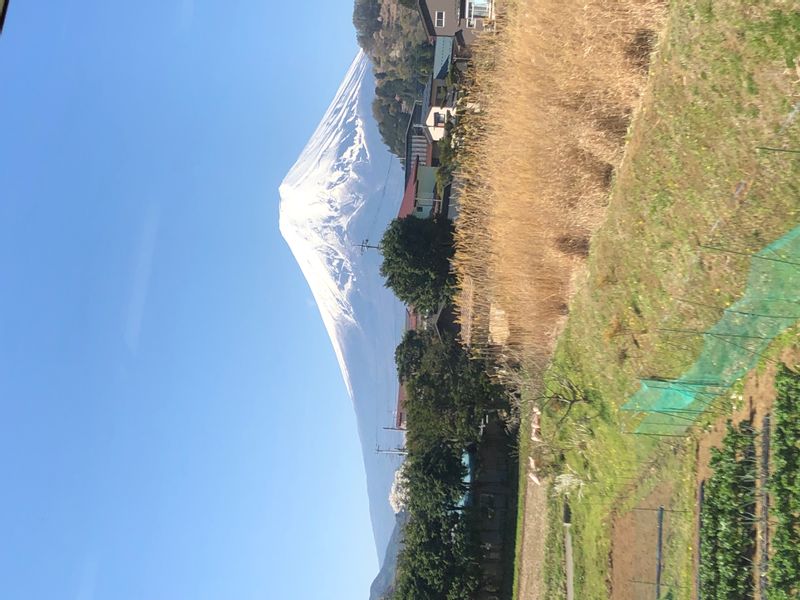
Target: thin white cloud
(141,278)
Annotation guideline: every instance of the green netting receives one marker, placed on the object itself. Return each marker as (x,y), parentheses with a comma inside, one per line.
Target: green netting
(732,346)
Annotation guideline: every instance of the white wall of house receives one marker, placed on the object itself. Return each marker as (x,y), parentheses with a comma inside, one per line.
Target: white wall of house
(436,120)
(426,201)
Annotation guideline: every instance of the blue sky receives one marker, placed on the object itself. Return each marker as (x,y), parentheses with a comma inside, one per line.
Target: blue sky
(173,423)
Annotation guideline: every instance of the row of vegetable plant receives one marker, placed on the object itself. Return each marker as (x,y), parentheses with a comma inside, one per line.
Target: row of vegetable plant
(727,519)
(784,565)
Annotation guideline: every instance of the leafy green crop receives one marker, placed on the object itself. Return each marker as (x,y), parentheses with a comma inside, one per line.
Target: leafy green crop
(727,538)
(784,566)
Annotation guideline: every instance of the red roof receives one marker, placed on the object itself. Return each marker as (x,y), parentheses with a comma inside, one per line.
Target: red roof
(407,206)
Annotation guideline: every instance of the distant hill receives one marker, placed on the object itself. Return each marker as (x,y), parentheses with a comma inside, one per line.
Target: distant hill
(392,35)
(383,586)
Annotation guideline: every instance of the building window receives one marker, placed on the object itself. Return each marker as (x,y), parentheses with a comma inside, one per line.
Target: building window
(439,18)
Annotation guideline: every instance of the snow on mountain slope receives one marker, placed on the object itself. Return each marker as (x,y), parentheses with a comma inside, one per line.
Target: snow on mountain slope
(345,187)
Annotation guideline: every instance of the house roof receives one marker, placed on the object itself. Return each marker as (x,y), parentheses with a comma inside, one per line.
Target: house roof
(414,119)
(442,54)
(425,15)
(426,97)
(407,205)
(3,11)
(412,319)
(468,460)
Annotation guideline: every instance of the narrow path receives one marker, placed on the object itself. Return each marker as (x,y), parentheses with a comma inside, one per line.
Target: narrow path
(534,536)
(569,567)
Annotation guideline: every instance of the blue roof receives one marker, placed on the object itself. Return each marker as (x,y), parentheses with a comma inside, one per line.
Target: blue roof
(442,54)
(468,460)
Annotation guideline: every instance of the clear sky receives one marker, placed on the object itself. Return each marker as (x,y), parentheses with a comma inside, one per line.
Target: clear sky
(173,423)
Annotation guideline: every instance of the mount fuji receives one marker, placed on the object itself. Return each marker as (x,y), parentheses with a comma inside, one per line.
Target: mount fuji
(344,188)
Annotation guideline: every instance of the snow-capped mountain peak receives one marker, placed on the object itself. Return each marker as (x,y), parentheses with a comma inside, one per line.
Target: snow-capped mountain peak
(345,187)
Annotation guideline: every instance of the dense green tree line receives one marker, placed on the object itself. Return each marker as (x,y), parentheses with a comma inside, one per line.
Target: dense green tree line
(448,392)
(447,396)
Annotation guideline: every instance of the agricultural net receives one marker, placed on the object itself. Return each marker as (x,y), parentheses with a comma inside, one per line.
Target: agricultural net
(732,346)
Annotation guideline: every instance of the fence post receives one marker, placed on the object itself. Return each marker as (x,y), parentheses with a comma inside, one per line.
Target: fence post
(658,554)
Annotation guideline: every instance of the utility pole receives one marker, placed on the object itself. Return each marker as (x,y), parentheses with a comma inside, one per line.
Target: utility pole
(394,451)
(365,245)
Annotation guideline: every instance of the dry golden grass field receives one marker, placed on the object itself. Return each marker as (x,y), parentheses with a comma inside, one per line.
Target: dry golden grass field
(553,93)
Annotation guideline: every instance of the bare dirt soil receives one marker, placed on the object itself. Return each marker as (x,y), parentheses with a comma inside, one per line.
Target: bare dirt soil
(634,539)
(534,534)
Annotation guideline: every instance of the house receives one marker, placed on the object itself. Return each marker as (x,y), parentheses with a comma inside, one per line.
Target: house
(460,19)
(429,117)
(419,144)
(407,205)
(3,11)
(440,96)
(438,105)
(442,57)
(427,203)
(400,416)
(421,198)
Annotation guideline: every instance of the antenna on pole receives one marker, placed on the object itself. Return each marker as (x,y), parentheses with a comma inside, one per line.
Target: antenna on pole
(365,245)
(395,451)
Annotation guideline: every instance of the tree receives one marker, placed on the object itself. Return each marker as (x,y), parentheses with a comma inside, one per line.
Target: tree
(366,15)
(401,57)
(408,355)
(416,261)
(398,495)
(434,479)
(448,392)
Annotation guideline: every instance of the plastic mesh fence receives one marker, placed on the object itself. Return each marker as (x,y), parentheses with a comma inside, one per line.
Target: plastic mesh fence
(771,304)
